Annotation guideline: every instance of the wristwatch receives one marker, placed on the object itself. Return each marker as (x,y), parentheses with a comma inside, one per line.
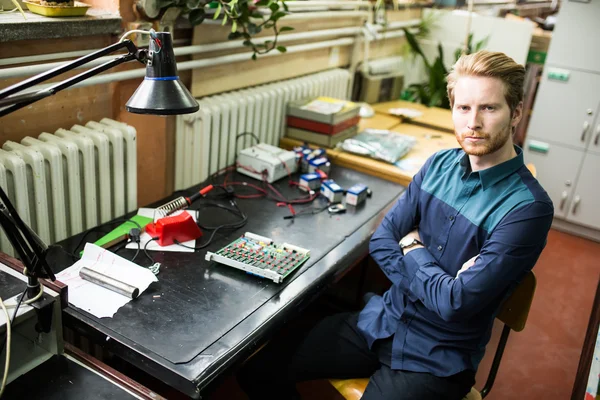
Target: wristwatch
(407,242)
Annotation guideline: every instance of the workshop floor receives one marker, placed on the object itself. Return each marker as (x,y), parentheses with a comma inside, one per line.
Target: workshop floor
(540,362)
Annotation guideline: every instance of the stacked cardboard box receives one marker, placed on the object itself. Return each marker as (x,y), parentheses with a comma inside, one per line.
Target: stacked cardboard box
(323,121)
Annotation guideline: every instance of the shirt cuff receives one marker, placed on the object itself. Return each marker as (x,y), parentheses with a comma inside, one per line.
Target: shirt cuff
(415,260)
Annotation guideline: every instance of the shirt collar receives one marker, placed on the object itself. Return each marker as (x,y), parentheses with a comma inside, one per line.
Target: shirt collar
(495,174)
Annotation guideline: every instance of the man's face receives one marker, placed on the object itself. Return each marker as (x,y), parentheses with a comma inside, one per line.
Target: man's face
(482,118)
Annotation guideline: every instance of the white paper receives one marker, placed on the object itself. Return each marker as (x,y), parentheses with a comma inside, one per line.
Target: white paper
(144,237)
(405,112)
(95,299)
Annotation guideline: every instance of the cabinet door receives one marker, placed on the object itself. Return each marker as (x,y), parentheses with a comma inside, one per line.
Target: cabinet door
(574,41)
(584,207)
(556,168)
(564,109)
(594,145)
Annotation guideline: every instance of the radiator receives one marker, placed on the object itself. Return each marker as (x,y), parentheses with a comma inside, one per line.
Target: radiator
(64,183)
(206,140)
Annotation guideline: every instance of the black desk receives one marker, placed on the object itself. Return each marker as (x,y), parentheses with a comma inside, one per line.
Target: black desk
(209,316)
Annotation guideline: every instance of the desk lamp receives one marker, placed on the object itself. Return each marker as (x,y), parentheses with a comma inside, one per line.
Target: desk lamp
(161,93)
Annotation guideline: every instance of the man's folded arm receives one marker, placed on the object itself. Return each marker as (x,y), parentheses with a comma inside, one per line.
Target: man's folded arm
(511,250)
(399,221)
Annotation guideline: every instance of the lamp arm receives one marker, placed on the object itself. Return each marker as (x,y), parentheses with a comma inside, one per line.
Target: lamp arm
(20,101)
(29,247)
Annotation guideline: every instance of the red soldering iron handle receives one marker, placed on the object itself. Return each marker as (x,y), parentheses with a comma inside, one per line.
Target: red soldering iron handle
(201,193)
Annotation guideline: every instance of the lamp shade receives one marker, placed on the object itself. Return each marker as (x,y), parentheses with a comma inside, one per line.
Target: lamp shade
(161,92)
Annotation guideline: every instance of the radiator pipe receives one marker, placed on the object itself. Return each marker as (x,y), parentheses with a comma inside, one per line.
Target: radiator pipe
(186,65)
(16,72)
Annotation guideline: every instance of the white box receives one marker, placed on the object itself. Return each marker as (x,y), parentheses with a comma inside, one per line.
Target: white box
(266,162)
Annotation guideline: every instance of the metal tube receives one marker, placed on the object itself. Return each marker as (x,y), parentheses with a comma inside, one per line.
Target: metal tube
(109,283)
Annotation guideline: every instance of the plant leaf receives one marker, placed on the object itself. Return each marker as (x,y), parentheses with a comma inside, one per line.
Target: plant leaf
(285,6)
(414,45)
(274,7)
(262,3)
(254,56)
(281,49)
(224,20)
(234,35)
(196,16)
(217,12)
(276,16)
(286,28)
(234,27)
(253,29)
(247,43)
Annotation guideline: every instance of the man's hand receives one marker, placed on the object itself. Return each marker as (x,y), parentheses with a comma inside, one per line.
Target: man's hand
(414,235)
(467,265)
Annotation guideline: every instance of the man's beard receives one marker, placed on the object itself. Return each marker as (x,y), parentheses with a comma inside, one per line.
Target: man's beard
(490,144)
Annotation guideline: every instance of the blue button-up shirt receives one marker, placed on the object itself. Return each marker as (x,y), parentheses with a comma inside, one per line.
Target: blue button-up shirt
(440,320)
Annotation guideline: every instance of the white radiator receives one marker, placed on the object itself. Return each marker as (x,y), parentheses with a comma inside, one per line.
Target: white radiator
(206,140)
(64,183)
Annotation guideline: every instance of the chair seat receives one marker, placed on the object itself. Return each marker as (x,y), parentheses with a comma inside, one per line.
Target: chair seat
(353,389)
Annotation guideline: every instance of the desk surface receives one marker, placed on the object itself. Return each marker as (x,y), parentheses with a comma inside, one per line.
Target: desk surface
(209,316)
(428,142)
(433,117)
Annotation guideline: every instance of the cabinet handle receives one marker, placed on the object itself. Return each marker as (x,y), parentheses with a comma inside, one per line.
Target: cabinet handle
(563,199)
(586,126)
(597,135)
(576,201)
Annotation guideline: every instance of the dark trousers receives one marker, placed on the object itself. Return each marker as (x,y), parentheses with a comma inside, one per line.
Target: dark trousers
(335,348)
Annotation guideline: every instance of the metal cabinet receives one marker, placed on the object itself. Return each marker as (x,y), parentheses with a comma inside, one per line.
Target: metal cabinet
(565,111)
(557,170)
(584,205)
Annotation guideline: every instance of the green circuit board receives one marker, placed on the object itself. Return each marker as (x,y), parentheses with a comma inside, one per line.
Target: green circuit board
(259,255)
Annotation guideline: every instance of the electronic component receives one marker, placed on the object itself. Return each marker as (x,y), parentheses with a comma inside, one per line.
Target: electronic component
(309,182)
(181,228)
(321,163)
(309,154)
(332,191)
(338,208)
(266,162)
(259,255)
(356,194)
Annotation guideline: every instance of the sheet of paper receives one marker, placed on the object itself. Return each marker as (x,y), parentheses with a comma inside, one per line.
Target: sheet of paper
(95,299)
(149,212)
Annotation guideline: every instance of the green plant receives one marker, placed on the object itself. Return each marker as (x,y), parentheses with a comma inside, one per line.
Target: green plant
(433,91)
(246,16)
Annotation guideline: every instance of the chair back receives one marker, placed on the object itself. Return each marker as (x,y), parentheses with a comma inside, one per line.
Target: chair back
(515,310)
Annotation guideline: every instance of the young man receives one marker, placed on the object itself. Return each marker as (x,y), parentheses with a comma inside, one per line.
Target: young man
(470,225)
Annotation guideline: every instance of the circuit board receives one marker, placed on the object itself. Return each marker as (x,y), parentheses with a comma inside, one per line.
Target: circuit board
(259,255)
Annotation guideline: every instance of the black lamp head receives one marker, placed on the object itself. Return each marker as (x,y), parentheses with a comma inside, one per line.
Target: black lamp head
(161,92)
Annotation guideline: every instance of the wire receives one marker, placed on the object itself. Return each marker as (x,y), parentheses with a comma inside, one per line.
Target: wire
(146,249)
(133,31)
(99,228)
(136,252)
(245,134)
(234,225)
(8,338)
(14,316)
(28,301)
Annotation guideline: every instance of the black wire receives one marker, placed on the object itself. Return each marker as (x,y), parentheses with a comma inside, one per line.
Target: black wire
(136,252)
(12,320)
(234,225)
(146,249)
(99,228)
(237,138)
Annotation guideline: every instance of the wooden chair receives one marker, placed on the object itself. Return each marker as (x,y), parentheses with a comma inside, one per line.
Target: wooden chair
(513,314)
